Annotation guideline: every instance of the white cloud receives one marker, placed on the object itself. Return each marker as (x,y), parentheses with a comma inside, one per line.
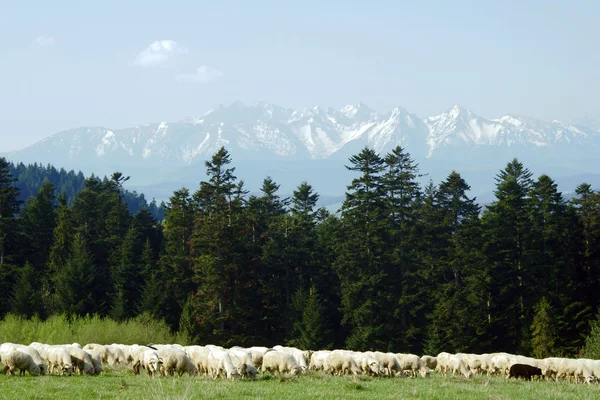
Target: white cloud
(45,41)
(159,52)
(203,74)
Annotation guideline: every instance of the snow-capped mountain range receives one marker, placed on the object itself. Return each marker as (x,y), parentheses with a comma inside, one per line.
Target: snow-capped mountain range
(314,145)
(265,130)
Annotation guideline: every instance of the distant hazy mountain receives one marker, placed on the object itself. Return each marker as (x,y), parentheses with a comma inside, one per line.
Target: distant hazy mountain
(313,144)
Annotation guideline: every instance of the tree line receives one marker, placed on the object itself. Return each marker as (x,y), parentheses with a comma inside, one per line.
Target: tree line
(403,267)
(29,180)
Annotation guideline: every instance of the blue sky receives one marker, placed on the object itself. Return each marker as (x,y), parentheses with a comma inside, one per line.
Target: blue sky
(120,63)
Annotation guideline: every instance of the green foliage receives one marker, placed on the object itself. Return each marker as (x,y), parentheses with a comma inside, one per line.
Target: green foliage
(310,329)
(543,330)
(404,268)
(61,329)
(592,340)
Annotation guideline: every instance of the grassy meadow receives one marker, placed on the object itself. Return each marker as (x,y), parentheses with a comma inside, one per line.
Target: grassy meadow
(121,383)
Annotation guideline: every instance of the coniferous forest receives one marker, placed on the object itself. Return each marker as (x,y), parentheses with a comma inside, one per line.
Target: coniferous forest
(403,267)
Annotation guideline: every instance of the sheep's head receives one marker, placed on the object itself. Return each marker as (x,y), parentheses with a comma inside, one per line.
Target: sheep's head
(89,369)
(251,372)
(234,375)
(591,379)
(376,367)
(67,369)
(34,369)
(296,370)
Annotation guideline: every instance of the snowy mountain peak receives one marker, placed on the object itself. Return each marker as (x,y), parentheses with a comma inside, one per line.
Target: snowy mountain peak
(266,130)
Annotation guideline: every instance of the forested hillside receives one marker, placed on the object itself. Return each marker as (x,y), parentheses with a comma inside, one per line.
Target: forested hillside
(403,268)
(29,180)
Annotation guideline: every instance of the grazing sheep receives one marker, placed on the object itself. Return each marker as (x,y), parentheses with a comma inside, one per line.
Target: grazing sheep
(15,359)
(219,361)
(456,365)
(96,361)
(412,363)
(280,361)
(340,362)
(35,355)
(199,356)
(242,359)
(299,355)
(175,360)
(368,363)
(576,369)
(317,360)
(81,360)
(257,355)
(524,371)
(389,361)
(59,359)
(430,361)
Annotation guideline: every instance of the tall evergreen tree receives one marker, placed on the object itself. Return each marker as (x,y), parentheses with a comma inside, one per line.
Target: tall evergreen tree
(217,248)
(74,282)
(360,263)
(9,207)
(507,239)
(26,300)
(543,331)
(175,263)
(310,328)
(402,193)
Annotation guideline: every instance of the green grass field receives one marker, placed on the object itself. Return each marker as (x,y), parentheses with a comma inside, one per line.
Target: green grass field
(121,383)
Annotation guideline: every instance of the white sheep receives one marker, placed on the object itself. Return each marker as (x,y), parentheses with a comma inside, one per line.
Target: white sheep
(429,361)
(299,355)
(257,354)
(412,363)
(341,362)
(15,359)
(219,361)
(59,359)
(456,365)
(175,360)
(242,359)
(149,360)
(389,361)
(199,356)
(96,361)
(81,360)
(280,361)
(317,360)
(367,363)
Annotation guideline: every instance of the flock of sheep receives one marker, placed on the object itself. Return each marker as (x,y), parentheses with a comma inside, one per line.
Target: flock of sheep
(239,362)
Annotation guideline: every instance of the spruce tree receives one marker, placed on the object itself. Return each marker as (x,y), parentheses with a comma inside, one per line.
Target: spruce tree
(543,331)
(507,237)
(402,196)
(217,247)
(9,208)
(310,329)
(74,283)
(175,260)
(26,299)
(360,264)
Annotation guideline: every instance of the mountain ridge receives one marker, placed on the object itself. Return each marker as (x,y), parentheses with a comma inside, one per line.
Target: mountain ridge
(256,131)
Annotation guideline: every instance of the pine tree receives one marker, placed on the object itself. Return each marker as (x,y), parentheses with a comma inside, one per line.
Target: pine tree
(507,237)
(217,249)
(310,330)
(360,263)
(402,194)
(127,277)
(175,260)
(543,331)
(26,300)
(74,282)
(9,207)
